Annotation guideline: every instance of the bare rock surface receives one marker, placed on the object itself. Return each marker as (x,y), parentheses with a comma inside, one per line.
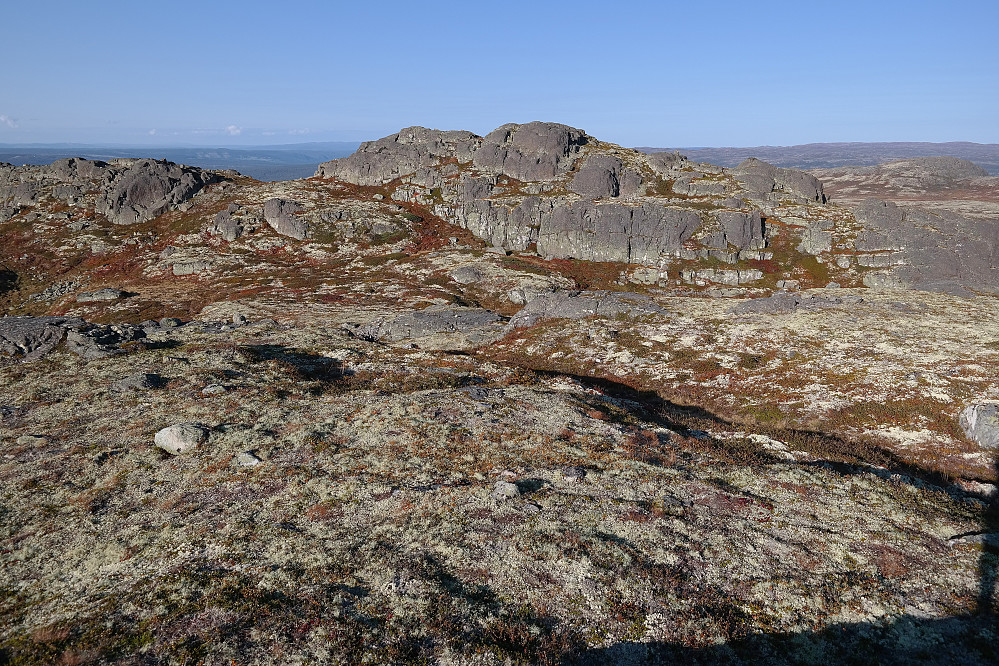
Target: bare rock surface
(579,305)
(762,179)
(981,423)
(431,321)
(30,338)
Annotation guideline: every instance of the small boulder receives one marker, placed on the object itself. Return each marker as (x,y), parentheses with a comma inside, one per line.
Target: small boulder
(466,275)
(100,295)
(142,381)
(981,424)
(247,459)
(180,438)
(170,322)
(504,490)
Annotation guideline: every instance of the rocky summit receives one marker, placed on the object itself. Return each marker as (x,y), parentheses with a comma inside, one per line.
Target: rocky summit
(527,397)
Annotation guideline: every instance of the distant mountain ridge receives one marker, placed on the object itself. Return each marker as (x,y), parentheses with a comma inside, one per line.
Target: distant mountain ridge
(278,162)
(828,155)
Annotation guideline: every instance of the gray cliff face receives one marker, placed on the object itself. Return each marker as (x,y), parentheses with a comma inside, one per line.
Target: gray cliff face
(613,232)
(937,251)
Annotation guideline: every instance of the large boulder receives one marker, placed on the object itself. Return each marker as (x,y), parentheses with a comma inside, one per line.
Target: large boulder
(145,189)
(181,438)
(280,215)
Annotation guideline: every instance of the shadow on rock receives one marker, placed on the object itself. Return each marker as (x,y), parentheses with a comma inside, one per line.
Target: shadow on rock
(307,366)
(8,280)
(969,639)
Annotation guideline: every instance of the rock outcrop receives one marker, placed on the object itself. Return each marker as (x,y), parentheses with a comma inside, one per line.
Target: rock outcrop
(30,338)
(612,232)
(129,191)
(431,321)
(554,186)
(147,188)
(937,251)
(24,339)
(761,179)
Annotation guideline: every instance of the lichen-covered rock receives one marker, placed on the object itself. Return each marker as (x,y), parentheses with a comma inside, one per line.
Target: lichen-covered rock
(743,230)
(280,215)
(401,154)
(101,341)
(779,303)
(233,222)
(145,189)
(141,381)
(101,295)
(430,321)
(181,438)
(190,267)
(466,274)
(929,250)
(505,490)
(981,424)
(580,304)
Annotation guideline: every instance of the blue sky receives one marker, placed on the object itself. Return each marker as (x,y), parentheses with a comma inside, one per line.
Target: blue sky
(691,73)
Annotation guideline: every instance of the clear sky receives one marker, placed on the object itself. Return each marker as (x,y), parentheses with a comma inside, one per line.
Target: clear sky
(667,73)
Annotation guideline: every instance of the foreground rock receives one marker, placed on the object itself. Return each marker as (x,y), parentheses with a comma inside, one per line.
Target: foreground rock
(144,189)
(181,438)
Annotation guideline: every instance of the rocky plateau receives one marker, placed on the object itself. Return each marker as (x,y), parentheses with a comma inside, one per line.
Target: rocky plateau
(528,397)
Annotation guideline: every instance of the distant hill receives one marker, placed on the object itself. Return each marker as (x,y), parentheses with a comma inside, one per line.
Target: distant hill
(281,162)
(827,155)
